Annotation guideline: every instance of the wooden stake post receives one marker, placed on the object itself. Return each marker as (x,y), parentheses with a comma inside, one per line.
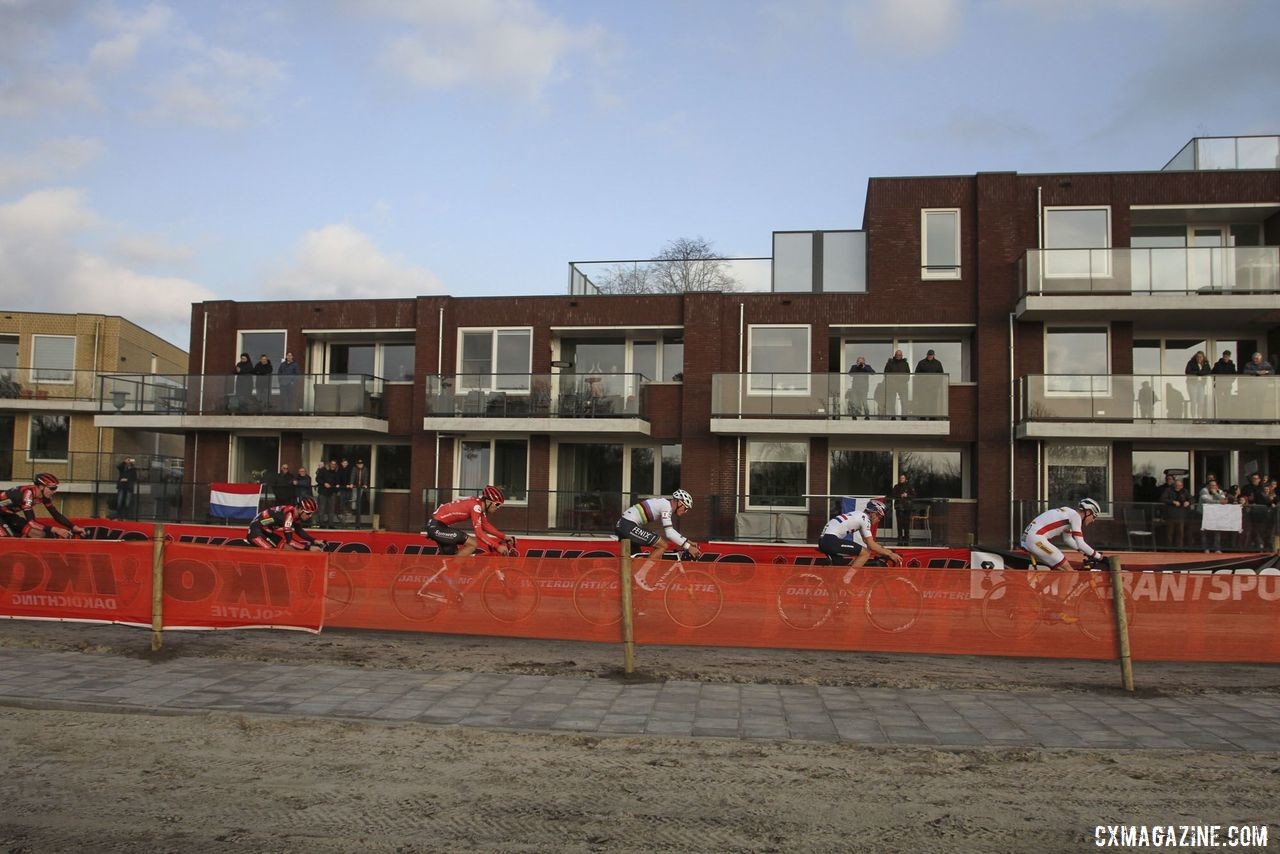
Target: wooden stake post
(157,588)
(628,627)
(1122,623)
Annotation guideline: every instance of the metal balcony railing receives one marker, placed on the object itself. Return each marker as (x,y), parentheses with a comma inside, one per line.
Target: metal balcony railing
(52,384)
(1151,272)
(536,396)
(194,394)
(830,396)
(1150,398)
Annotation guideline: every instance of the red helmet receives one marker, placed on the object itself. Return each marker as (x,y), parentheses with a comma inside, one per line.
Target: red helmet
(307,505)
(46,479)
(492,493)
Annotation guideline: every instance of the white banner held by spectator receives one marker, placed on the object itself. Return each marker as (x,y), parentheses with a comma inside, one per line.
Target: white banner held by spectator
(1222,517)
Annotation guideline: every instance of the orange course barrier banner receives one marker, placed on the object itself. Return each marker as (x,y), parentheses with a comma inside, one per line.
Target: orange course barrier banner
(211,587)
(76,580)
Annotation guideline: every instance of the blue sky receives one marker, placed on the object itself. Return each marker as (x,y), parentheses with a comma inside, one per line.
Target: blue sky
(153,154)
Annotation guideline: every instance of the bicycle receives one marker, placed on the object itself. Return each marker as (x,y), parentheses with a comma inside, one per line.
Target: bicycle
(509,594)
(1012,609)
(806,600)
(692,598)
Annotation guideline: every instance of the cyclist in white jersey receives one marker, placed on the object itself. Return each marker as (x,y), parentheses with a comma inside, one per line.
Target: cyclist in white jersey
(833,544)
(1061,522)
(632,527)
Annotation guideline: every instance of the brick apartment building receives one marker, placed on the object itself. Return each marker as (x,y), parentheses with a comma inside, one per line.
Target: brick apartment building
(1063,308)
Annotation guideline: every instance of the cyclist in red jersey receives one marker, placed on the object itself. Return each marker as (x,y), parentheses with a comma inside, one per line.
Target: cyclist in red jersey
(476,510)
(18,510)
(283,526)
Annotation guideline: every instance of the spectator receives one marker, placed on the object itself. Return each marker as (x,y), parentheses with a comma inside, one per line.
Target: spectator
(1224,382)
(282,486)
(1256,512)
(1224,365)
(859,386)
(930,391)
(902,495)
(126,487)
(244,384)
(897,375)
(302,484)
(1212,493)
(262,383)
(359,487)
(1177,502)
(343,503)
(289,373)
(1257,367)
(1198,368)
(327,487)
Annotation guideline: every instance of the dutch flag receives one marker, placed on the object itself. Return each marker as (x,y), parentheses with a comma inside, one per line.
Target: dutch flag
(233,500)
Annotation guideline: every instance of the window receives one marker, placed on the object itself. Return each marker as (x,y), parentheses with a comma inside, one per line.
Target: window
(48,438)
(844,262)
(350,359)
(1081,240)
(397,363)
(1077,360)
(940,243)
(257,342)
(1150,467)
(1073,472)
(793,261)
(53,357)
(671,456)
(778,358)
(495,359)
(654,471)
(952,350)
(933,473)
(501,462)
(8,356)
(392,471)
(777,474)
(861,472)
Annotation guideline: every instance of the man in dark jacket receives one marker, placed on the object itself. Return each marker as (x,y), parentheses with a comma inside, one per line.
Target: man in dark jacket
(902,494)
(282,486)
(126,486)
(930,391)
(1177,502)
(859,384)
(897,371)
(1224,386)
(327,485)
(262,383)
(289,373)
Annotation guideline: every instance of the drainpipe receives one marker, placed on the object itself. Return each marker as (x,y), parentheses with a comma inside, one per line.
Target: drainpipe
(204,350)
(1012,426)
(742,343)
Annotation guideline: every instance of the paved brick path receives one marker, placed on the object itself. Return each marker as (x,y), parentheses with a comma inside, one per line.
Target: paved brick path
(874,716)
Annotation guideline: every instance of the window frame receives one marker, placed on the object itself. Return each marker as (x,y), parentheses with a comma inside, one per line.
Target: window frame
(938,272)
(1109,472)
(1104,271)
(491,441)
(1095,387)
(31,423)
(37,369)
(967,491)
(773,390)
(253,357)
(494,332)
(749,458)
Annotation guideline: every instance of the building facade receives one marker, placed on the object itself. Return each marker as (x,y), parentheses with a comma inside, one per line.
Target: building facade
(1060,309)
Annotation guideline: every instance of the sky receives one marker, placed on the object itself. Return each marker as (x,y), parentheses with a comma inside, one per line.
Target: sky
(156,154)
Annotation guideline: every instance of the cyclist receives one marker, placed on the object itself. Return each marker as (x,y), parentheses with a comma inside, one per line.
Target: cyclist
(632,527)
(861,524)
(476,510)
(284,526)
(1062,522)
(18,510)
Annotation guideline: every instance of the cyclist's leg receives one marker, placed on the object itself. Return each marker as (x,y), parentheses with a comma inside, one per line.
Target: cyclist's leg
(836,550)
(629,532)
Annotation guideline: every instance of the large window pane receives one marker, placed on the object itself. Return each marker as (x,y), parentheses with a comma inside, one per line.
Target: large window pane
(54,357)
(258,343)
(776,473)
(1149,468)
(1179,351)
(1084,230)
(861,472)
(49,436)
(1081,351)
(844,261)
(642,469)
(793,261)
(934,474)
(1077,471)
(672,358)
(671,456)
(8,356)
(393,467)
(952,355)
(477,357)
(473,468)
(397,362)
(941,244)
(351,359)
(514,352)
(644,359)
(510,468)
(778,357)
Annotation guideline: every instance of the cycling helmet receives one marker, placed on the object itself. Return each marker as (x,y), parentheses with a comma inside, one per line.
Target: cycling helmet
(683,497)
(492,493)
(1088,505)
(46,479)
(874,506)
(307,505)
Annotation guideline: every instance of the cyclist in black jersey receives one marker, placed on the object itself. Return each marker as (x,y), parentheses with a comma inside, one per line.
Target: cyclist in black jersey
(284,526)
(18,510)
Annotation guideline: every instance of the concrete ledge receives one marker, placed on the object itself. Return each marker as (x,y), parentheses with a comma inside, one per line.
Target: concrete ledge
(343,423)
(611,426)
(829,427)
(1209,433)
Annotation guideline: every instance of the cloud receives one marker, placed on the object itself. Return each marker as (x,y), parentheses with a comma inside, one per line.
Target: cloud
(221,88)
(45,267)
(505,45)
(142,251)
(340,262)
(915,27)
(52,160)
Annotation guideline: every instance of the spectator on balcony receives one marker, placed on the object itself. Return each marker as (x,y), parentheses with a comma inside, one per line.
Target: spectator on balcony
(1223,386)
(930,391)
(1224,365)
(327,485)
(1257,367)
(897,376)
(1256,513)
(344,487)
(902,494)
(1177,503)
(244,384)
(1212,493)
(126,487)
(1197,386)
(289,373)
(282,486)
(859,385)
(359,488)
(262,383)
(302,484)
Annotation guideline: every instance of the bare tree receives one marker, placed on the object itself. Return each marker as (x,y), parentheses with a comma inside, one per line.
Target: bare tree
(683,265)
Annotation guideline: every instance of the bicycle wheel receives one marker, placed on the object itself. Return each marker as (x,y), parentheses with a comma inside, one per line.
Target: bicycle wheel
(337,593)
(893,603)
(1095,613)
(692,598)
(805,600)
(1011,610)
(596,597)
(409,597)
(509,595)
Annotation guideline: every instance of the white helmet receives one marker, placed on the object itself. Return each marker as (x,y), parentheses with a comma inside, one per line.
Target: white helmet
(1088,505)
(683,497)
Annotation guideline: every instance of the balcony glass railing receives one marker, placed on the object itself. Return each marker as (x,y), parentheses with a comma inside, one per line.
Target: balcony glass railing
(1227,152)
(178,394)
(1151,272)
(671,277)
(1150,397)
(830,396)
(48,384)
(536,396)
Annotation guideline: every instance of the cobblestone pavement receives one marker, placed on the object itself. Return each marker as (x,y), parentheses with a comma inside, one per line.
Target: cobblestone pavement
(871,716)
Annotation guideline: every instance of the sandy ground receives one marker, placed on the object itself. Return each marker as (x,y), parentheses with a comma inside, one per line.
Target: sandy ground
(93,781)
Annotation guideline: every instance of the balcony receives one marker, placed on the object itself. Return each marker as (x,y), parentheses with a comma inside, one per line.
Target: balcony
(48,390)
(1238,283)
(830,404)
(1151,406)
(1208,153)
(179,402)
(537,403)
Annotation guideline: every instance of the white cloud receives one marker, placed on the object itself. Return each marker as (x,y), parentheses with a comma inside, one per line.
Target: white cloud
(29,91)
(45,267)
(511,45)
(340,262)
(221,88)
(916,27)
(53,159)
(129,31)
(144,251)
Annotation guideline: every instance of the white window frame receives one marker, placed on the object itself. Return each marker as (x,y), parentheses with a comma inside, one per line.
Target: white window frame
(750,458)
(798,391)
(36,368)
(1106,500)
(253,357)
(494,332)
(380,363)
(491,440)
(937,273)
(31,422)
(1103,270)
